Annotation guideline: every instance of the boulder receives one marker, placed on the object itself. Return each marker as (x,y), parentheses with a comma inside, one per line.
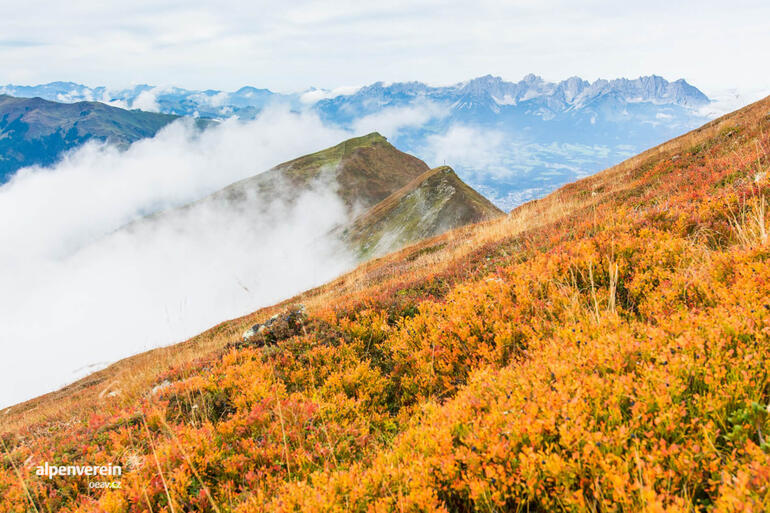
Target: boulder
(278,327)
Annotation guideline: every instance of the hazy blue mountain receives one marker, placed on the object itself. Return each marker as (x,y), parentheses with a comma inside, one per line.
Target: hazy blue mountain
(511,140)
(38,131)
(246,102)
(486,98)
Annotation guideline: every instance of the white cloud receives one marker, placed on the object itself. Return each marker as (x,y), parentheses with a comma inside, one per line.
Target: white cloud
(481,154)
(315,95)
(106,98)
(508,169)
(74,96)
(147,101)
(219,99)
(391,120)
(728,100)
(287,46)
(76,293)
(468,147)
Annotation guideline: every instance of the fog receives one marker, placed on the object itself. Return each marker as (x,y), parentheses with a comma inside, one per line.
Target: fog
(77,289)
(391,120)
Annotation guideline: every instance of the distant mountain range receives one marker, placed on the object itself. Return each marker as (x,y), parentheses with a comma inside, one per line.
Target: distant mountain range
(488,95)
(511,140)
(479,94)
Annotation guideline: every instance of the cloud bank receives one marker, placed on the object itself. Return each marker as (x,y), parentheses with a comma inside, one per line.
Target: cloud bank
(79,290)
(468,147)
(390,121)
(315,95)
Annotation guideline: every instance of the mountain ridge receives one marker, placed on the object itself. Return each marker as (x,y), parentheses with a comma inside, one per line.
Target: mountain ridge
(35,131)
(431,204)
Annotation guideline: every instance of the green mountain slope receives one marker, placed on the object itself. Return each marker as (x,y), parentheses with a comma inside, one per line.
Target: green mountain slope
(37,131)
(433,203)
(363,170)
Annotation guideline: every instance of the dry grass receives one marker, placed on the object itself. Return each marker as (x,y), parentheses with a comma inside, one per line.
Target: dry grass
(750,222)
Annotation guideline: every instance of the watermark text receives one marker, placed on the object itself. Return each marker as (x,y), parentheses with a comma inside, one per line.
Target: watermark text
(50,471)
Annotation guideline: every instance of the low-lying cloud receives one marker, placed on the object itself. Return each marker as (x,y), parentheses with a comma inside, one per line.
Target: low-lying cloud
(468,147)
(315,95)
(391,120)
(510,169)
(147,101)
(78,287)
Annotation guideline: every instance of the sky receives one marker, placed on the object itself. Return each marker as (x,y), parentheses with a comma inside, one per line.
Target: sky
(290,46)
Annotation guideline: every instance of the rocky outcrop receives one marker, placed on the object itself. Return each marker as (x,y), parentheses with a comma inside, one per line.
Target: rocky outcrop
(278,327)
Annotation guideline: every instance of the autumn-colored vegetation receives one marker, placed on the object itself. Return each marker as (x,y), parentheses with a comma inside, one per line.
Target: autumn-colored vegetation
(604,349)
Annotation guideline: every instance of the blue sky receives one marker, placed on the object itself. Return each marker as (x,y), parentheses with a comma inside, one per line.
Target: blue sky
(290,46)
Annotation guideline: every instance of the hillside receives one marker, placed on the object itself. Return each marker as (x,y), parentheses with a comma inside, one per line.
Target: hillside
(36,131)
(431,204)
(602,349)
